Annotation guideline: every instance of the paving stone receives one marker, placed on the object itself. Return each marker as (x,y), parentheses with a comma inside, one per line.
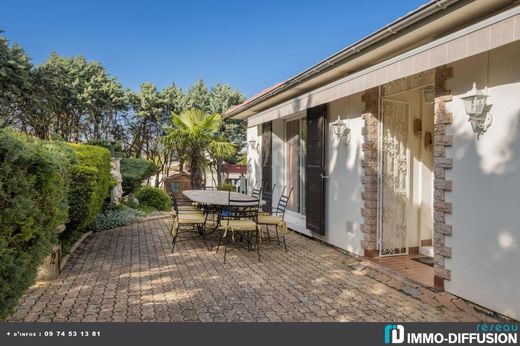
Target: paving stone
(130,274)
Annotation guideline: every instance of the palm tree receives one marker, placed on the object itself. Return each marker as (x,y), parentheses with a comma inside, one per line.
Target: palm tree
(196,136)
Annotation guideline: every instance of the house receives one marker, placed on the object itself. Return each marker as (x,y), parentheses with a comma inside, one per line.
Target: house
(406,143)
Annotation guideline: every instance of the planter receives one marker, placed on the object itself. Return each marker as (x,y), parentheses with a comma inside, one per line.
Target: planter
(53,264)
(50,267)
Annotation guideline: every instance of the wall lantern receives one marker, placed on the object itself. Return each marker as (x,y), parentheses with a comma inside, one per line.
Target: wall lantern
(429,94)
(341,131)
(253,144)
(477,110)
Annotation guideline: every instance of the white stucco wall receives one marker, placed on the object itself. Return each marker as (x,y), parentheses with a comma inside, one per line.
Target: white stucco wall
(485,263)
(343,188)
(254,169)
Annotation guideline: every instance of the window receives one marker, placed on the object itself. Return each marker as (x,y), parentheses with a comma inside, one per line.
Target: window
(295,136)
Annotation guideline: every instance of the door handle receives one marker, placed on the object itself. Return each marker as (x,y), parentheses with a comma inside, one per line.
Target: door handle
(324,176)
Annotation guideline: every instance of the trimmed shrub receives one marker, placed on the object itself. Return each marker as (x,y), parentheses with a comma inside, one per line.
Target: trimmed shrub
(227,187)
(33,202)
(154,198)
(134,171)
(105,143)
(89,187)
(115,216)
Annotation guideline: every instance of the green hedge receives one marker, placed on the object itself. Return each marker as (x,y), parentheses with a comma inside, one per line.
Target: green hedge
(105,143)
(90,185)
(153,198)
(33,202)
(134,171)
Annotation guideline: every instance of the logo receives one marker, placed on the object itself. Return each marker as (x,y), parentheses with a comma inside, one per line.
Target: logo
(495,333)
(394,334)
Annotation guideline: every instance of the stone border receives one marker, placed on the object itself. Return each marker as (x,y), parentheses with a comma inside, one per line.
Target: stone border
(157,216)
(441,207)
(369,176)
(65,258)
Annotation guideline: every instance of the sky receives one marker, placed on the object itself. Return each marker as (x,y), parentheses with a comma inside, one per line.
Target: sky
(247,44)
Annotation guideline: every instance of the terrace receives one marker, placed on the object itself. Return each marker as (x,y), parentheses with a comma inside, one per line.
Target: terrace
(130,274)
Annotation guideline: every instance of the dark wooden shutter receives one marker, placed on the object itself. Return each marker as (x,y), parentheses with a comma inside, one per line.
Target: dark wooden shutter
(315,169)
(267,156)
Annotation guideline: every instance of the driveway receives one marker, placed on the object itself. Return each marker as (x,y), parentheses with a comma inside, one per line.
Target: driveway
(129,274)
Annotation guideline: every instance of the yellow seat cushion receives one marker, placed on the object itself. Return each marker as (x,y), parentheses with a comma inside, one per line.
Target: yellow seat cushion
(191,219)
(187,207)
(269,219)
(187,212)
(239,225)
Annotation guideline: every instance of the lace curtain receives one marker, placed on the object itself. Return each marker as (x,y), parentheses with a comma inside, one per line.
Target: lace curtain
(395,167)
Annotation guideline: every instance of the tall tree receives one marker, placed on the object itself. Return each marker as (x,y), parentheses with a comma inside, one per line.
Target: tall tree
(15,82)
(222,97)
(70,98)
(174,101)
(198,97)
(147,115)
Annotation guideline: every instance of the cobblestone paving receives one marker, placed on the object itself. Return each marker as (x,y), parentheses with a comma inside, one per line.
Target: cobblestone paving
(129,274)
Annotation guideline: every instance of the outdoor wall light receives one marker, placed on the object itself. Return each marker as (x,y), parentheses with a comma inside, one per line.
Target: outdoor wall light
(429,94)
(341,131)
(253,144)
(477,109)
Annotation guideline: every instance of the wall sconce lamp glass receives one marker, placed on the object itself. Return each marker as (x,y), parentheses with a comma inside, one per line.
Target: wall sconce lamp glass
(253,145)
(475,101)
(477,110)
(341,131)
(429,94)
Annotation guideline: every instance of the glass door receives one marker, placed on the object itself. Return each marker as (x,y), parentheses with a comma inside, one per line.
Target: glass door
(394,184)
(293,163)
(295,137)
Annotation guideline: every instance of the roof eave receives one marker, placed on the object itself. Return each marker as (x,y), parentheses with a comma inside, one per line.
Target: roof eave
(356,49)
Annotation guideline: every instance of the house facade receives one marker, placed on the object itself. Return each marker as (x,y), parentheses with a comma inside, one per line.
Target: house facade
(407,144)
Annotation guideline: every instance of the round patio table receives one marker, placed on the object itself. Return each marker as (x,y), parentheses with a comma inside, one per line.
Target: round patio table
(216,197)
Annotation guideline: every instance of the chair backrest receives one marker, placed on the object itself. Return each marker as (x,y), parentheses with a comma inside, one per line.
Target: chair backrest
(282,204)
(256,193)
(174,202)
(238,209)
(267,196)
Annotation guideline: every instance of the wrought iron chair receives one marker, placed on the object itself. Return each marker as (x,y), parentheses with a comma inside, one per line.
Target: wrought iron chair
(277,219)
(239,217)
(267,196)
(256,193)
(195,220)
(181,208)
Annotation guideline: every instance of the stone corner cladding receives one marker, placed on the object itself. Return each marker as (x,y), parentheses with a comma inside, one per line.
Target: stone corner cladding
(442,120)
(369,166)
(441,207)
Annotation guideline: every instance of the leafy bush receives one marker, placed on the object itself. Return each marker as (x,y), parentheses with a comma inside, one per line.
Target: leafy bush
(33,202)
(130,201)
(134,171)
(153,197)
(115,216)
(89,187)
(227,187)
